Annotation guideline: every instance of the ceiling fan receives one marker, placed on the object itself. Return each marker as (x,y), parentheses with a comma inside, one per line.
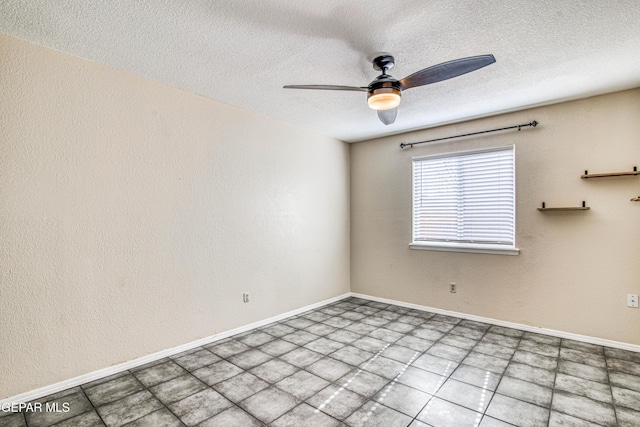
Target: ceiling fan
(384,92)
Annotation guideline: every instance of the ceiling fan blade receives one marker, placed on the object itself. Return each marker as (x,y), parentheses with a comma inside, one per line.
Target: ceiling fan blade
(388,116)
(446,70)
(326,87)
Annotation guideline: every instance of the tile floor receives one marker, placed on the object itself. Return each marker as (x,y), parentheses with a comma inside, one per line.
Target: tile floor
(363,363)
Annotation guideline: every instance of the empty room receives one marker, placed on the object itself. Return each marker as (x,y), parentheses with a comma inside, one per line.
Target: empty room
(338,213)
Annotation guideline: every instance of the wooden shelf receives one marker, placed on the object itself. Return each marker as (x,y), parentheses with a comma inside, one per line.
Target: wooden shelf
(588,175)
(569,208)
(584,207)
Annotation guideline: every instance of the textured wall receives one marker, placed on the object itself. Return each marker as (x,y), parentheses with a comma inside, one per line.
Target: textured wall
(574,269)
(134,215)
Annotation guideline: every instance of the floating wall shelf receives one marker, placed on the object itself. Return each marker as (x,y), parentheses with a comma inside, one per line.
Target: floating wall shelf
(587,175)
(584,207)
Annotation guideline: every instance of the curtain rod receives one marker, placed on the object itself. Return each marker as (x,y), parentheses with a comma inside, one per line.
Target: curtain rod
(410,145)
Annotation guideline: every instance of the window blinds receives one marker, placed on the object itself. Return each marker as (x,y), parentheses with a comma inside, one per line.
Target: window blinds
(466,197)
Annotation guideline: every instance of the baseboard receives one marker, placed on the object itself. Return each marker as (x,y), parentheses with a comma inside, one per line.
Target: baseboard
(527,328)
(102,373)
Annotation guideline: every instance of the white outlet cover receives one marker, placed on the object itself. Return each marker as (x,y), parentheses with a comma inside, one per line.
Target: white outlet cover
(632,300)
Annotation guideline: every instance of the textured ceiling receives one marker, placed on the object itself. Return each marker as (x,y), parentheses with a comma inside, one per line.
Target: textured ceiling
(243,52)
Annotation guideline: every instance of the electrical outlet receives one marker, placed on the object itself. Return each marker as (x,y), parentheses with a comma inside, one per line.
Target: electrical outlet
(245,297)
(632,300)
(453,287)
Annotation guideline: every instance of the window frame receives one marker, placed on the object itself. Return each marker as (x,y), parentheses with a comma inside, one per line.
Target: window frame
(463,246)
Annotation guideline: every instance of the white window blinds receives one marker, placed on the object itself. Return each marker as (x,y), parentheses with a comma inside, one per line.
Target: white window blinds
(466,197)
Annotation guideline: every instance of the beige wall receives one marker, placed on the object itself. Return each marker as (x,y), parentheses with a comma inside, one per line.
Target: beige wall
(575,269)
(134,215)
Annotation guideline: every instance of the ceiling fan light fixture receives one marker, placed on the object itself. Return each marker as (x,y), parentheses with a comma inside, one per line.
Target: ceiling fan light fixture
(384,98)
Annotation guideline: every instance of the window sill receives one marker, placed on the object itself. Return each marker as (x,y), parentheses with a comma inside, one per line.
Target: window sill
(465,247)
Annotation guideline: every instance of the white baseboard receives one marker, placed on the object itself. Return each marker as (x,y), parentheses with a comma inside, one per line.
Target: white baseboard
(102,373)
(527,328)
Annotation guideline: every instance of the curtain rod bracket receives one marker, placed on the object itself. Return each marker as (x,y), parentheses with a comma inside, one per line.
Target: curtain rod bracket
(534,123)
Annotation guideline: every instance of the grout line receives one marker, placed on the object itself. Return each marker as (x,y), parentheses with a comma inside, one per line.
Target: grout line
(160,400)
(502,375)
(613,401)
(95,409)
(482,414)
(387,388)
(555,378)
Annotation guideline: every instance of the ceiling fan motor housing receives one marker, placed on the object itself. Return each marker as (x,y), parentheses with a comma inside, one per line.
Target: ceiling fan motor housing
(384,93)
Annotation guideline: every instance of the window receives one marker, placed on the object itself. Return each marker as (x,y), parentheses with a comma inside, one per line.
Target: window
(465,202)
